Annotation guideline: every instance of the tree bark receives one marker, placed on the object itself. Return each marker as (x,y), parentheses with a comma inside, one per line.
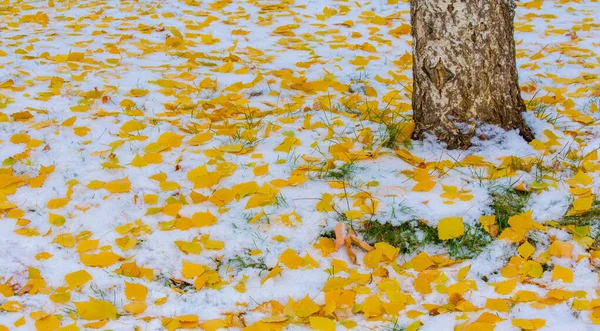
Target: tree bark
(464,69)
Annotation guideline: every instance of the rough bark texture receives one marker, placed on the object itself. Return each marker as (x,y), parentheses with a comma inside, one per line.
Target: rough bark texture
(464,69)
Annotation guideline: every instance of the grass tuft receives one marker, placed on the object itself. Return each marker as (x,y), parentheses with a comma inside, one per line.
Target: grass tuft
(246,262)
(408,236)
(508,203)
(589,219)
(412,235)
(344,172)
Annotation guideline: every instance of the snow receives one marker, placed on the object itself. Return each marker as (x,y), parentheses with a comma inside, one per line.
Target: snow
(90,26)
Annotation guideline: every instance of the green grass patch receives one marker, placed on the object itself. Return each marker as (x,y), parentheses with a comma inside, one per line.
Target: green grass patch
(413,235)
(507,203)
(344,172)
(590,219)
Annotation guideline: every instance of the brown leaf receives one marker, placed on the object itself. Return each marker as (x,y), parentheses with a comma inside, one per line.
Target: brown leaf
(349,251)
(340,230)
(360,243)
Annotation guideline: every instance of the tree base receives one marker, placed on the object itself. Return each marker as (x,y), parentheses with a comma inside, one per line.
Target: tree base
(464,69)
(463,141)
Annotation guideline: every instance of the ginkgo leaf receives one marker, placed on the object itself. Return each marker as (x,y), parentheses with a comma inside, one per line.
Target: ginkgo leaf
(305,307)
(135,292)
(191,270)
(102,259)
(205,218)
(526,249)
(290,259)
(226,68)
(214,324)
(529,324)
(135,307)
(274,272)
(322,323)
(77,278)
(57,203)
(561,249)
(96,309)
(122,185)
(561,273)
(450,227)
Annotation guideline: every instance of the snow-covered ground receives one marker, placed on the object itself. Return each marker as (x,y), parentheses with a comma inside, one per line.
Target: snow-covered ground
(175,164)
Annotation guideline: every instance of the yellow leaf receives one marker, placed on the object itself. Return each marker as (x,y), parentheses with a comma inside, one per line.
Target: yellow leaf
(61,295)
(582,205)
(353,214)
(274,272)
(126,243)
(189,247)
(424,182)
(257,217)
(325,205)
(191,270)
(214,324)
(450,227)
(261,170)
(96,310)
(305,307)
(561,273)
(213,244)
(525,296)
(526,250)
(55,219)
(204,218)
(161,301)
(290,259)
(287,144)
(122,185)
(521,222)
(102,259)
(532,324)
(200,281)
(48,323)
(462,273)
(336,283)
(135,292)
(5,205)
(226,68)
(348,324)
(500,305)
(137,92)
(77,278)
(95,185)
(170,139)
(66,240)
(532,269)
(135,307)
(245,189)
(506,286)
(372,259)
(389,251)
(222,196)
(6,290)
(322,323)
(560,249)
(372,306)
(57,203)
(12,306)
(132,126)
(200,138)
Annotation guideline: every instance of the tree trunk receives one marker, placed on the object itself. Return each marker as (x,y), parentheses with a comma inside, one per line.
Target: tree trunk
(464,69)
